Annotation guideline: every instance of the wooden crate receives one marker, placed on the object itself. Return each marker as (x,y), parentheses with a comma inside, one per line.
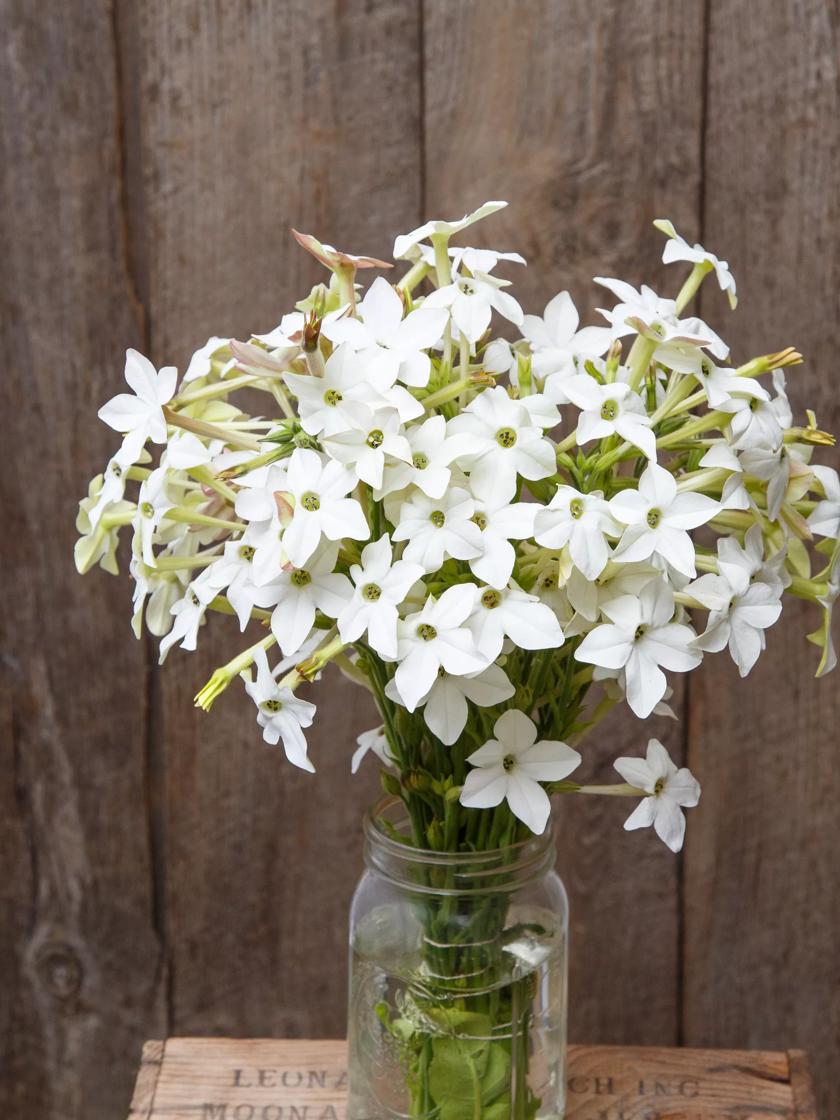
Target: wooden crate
(271,1079)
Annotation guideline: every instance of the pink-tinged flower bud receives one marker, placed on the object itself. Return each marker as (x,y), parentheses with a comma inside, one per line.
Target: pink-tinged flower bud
(311,332)
(335,259)
(254,358)
(285,507)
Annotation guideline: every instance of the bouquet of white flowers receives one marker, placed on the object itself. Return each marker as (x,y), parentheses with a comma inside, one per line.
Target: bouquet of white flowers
(492,536)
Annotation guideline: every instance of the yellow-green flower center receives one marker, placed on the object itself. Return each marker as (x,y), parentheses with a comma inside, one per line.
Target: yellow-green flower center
(371,592)
(310,502)
(426,631)
(506,437)
(437,518)
(375,438)
(300,577)
(490,599)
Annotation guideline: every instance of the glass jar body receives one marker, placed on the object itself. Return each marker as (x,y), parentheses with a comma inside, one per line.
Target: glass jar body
(458,984)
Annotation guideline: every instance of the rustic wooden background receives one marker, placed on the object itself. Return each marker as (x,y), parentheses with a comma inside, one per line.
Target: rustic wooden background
(161,872)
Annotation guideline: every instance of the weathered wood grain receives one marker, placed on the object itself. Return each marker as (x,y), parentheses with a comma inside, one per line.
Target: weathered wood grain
(587,118)
(762,901)
(246,122)
(159,868)
(802,1085)
(145,1088)
(261,1079)
(80,977)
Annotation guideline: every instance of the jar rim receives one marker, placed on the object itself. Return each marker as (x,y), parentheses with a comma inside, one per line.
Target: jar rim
(523,860)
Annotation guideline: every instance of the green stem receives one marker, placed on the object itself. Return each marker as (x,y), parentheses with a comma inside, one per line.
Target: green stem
(689,288)
(211,431)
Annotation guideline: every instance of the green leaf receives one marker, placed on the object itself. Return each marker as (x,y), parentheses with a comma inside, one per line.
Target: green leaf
(498,1111)
(471,1025)
(454,1080)
(470,1076)
(496,1076)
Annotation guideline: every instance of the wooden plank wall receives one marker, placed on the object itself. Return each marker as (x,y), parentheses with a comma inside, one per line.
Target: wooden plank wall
(161,871)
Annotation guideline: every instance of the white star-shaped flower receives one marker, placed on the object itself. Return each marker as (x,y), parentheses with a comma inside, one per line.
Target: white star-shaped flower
(658,520)
(201,363)
(161,589)
(719,383)
(471,301)
(611,409)
(336,401)
(581,521)
(656,318)
(188,613)
(511,767)
(510,445)
(392,347)
(233,573)
(436,638)
(742,604)
(297,593)
(758,423)
(371,441)
(783,469)
(263,501)
(501,359)
(588,597)
(280,713)
(512,613)
(380,586)
(432,451)
(445,707)
(321,507)
(407,245)
(557,343)
(439,527)
(106,491)
(154,501)
(500,523)
(678,249)
(669,791)
(371,742)
(734,493)
(97,543)
(140,417)
(640,637)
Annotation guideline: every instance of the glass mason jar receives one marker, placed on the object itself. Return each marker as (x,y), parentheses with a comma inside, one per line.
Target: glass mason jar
(458,981)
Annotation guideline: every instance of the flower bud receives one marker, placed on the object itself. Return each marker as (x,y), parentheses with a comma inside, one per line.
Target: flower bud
(390,783)
(434,835)
(311,332)
(418,780)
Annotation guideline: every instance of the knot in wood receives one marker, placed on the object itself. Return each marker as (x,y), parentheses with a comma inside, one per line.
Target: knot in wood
(60,970)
